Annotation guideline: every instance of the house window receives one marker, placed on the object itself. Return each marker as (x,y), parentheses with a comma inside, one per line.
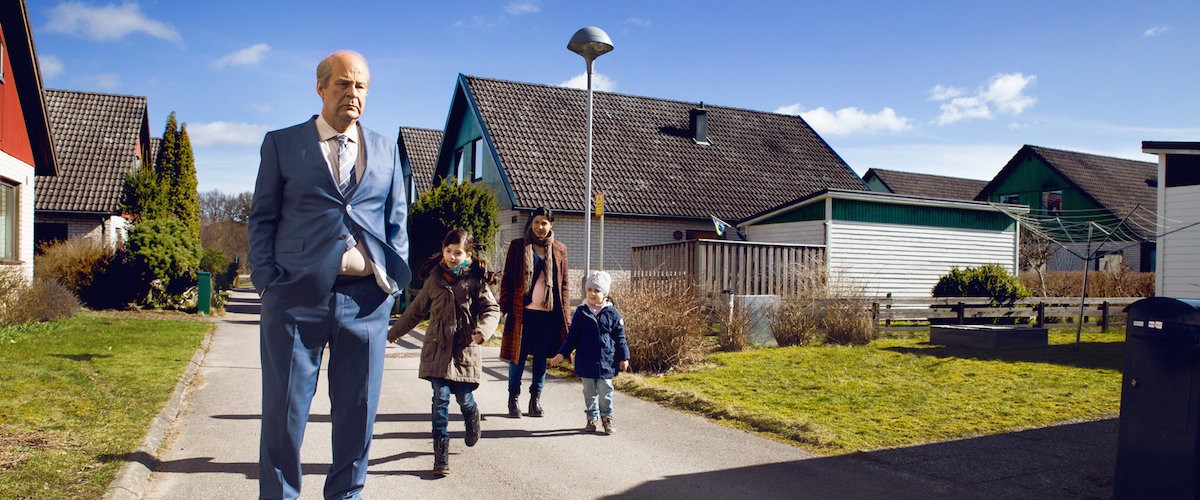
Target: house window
(1010,198)
(1052,202)
(8,221)
(477,171)
(468,160)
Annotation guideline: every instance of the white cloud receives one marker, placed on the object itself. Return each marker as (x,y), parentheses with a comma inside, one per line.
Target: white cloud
(1155,31)
(50,65)
(106,23)
(250,55)
(847,121)
(1004,93)
(478,22)
(519,8)
(261,107)
(941,93)
(637,21)
(105,81)
(599,82)
(215,133)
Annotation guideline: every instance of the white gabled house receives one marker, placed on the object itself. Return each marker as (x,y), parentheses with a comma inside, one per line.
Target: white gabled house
(892,243)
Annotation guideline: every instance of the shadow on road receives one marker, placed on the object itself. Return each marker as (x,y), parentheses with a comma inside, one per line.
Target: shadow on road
(1091,355)
(1067,461)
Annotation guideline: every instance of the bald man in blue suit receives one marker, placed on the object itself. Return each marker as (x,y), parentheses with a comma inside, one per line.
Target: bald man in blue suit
(329,255)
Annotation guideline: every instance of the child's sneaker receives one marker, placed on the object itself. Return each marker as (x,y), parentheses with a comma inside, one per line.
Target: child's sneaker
(608,425)
(590,427)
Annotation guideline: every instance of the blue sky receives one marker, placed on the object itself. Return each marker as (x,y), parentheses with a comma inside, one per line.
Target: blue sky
(941,87)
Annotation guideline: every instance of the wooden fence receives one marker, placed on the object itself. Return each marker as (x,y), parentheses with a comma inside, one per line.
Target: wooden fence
(713,267)
(1037,310)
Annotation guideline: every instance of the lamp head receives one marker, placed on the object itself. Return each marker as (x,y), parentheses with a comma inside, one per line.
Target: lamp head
(590,42)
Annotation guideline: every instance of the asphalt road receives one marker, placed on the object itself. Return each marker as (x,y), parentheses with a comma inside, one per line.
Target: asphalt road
(210,450)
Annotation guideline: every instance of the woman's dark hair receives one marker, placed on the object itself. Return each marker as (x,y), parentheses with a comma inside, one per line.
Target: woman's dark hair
(462,237)
(542,211)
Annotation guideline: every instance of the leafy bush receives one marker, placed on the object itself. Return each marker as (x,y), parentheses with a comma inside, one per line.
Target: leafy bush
(218,266)
(43,300)
(447,206)
(167,253)
(116,284)
(664,328)
(990,280)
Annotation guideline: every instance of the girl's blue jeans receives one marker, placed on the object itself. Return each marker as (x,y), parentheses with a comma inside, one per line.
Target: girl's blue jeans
(442,389)
(597,397)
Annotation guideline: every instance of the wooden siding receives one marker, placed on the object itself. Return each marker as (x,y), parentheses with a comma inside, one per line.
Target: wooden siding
(1179,252)
(712,267)
(798,233)
(1033,177)
(907,261)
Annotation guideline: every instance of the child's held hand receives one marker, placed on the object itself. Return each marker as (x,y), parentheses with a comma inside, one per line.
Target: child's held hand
(477,337)
(624,365)
(556,360)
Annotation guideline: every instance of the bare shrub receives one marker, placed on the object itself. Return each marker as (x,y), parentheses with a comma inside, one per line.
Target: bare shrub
(848,319)
(733,325)
(43,300)
(1122,283)
(663,326)
(797,321)
(73,262)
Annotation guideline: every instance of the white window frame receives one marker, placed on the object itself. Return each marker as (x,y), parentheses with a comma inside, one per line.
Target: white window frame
(9,214)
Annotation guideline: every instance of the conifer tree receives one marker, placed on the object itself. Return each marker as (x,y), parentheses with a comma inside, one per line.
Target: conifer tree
(185,198)
(141,195)
(168,155)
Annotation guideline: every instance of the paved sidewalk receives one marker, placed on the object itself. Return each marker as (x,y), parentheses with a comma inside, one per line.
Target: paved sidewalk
(211,449)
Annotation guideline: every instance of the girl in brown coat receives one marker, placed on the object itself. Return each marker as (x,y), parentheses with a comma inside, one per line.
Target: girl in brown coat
(462,314)
(534,294)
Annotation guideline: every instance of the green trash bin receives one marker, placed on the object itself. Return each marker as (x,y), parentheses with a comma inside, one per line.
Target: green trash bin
(204,292)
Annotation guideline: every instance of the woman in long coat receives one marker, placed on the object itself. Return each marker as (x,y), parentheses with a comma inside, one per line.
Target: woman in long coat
(534,295)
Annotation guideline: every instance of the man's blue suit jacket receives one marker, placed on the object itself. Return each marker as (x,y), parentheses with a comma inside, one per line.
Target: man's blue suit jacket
(298,218)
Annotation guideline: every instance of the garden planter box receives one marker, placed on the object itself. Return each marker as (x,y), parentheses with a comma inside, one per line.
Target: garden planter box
(988,336)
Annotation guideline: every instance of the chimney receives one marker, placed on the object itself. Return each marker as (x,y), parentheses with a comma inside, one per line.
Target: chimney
(699,125)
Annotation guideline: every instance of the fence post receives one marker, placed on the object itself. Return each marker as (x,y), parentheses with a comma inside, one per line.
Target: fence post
(1104,316)
(889,306)
(1041,315)
(961,309)
(875,313)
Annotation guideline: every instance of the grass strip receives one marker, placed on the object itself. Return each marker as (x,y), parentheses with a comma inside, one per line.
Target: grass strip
(896,391)
(76,396)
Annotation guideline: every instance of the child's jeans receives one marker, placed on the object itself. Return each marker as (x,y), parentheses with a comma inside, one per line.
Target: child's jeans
(442,389)
(597,397)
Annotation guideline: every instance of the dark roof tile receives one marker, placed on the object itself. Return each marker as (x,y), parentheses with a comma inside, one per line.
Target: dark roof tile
(644,159)
(928,185)
(422,146)
(96,141)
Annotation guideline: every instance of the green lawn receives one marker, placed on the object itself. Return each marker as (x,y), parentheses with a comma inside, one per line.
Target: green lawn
(77,395)
(899,391)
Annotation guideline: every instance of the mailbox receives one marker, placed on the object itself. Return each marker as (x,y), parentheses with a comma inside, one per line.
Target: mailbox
(1158,439)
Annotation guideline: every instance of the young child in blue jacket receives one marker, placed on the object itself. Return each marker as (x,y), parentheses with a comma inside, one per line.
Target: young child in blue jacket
(597,335)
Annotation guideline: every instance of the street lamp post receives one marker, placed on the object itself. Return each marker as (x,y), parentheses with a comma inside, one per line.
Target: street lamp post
(590,42)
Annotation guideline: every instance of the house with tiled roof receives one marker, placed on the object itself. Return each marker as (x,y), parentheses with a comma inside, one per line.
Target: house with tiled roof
(922,185)
(664,166)
(1079,187)
(26,145)
(418,148)
(100,138)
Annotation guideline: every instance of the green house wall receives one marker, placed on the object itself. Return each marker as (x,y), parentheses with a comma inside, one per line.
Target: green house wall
(1031,178)
(893,213)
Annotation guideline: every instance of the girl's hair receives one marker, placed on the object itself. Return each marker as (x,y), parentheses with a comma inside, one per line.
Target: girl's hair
(479,267)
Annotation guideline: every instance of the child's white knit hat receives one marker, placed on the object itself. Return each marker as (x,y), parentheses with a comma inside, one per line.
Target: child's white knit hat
(600,280)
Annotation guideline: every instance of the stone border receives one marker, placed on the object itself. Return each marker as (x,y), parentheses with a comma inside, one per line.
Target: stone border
(131,479)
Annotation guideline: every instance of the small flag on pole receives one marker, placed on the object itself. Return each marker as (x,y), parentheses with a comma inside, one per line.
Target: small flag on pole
(719,224)
(600,204)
